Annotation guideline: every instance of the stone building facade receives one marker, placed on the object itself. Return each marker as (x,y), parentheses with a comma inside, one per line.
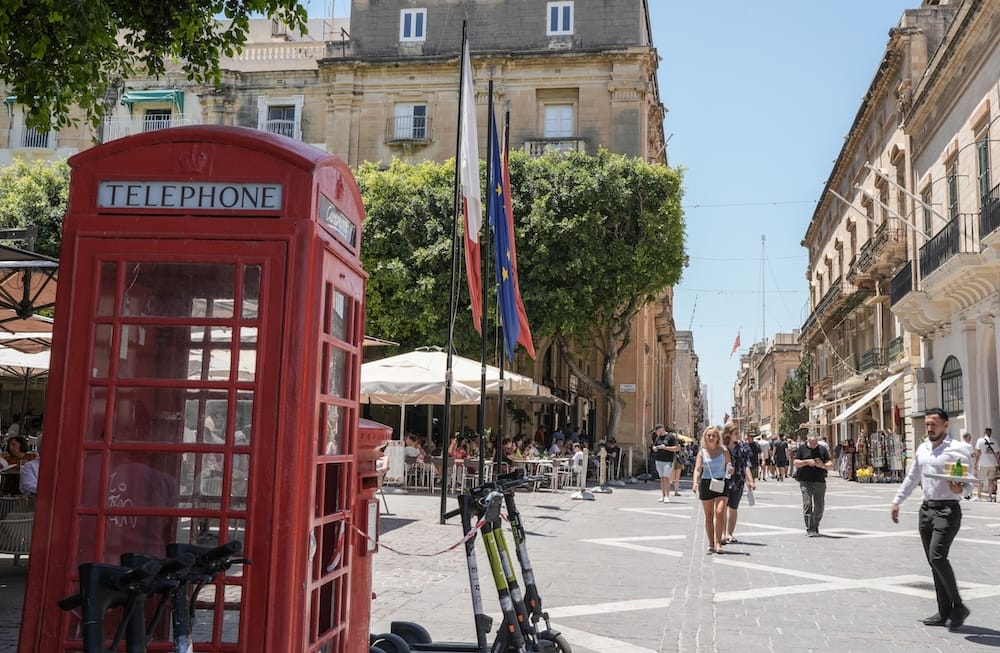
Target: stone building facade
(902,256)
(383,84)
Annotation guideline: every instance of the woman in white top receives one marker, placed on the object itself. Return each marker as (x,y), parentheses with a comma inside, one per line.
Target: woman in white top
(713,467)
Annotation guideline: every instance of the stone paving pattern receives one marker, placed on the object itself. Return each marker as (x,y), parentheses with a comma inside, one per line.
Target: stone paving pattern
(627,574)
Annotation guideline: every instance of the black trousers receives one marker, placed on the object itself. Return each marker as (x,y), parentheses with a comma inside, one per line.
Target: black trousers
(939,523)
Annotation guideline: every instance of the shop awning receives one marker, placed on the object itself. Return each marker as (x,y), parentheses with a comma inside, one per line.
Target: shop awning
(867,398)
(158,96)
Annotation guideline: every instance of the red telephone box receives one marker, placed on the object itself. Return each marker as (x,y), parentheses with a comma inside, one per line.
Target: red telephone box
(204,386)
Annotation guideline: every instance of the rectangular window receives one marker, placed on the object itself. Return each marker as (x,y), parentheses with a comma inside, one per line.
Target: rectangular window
(560,19)
(412,23)
(281,120)
(925,198)
(953,189)
(281,115)
(558,121)
(983,162)
(410,122)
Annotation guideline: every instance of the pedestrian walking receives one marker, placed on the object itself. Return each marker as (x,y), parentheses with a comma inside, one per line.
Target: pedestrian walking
(665,447)
(940,514)
(984,458)
(742,456)
(766,462)
(712,467)
(812,461)
(780,455)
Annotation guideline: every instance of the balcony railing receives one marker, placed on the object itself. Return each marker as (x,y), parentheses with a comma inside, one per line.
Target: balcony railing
(402,129)
(115,127)
(540,146)
(22,137)
(989,219)
(957,237)
(895,347)
(844,369)
(901,284)
(873,358)
(282,127)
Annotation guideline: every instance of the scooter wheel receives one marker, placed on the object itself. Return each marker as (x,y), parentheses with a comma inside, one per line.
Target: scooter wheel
(558,643)
(411,632)
(388,643)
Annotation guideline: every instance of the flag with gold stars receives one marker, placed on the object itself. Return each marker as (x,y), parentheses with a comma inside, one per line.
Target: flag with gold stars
(508,294)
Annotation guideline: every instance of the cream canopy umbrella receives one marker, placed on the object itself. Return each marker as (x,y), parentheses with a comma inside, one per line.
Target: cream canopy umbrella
(465,371)
(400,381)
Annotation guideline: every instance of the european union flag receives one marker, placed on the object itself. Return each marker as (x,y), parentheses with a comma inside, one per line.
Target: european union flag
(503,236)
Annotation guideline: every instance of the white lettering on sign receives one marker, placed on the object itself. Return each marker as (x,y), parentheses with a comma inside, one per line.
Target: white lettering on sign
(183,195)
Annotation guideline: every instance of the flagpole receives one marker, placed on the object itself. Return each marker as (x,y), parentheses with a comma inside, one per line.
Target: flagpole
(497,443)
(452,291)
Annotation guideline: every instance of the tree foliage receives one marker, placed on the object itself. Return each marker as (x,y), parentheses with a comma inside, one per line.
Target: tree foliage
(60,54)
(35,194)
(793,395)
(598,236)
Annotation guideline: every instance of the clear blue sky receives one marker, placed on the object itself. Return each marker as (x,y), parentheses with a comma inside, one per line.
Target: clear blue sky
(759,98)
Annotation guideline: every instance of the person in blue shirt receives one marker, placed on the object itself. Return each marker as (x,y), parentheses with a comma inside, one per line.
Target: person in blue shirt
(940,514)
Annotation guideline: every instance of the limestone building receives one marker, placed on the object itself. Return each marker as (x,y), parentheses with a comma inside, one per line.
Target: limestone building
(574,74)
(902,255)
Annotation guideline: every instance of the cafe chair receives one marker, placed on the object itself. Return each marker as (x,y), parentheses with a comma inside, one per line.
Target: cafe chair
(15,534)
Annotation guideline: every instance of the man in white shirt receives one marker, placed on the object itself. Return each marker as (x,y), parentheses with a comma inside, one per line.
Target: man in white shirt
(940,514)
(984,459)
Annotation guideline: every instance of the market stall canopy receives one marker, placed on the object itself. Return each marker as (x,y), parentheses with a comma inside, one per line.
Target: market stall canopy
(867,398)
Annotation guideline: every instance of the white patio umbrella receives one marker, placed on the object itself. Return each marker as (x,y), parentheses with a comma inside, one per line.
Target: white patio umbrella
(23,367)
(465,371)
(407,382)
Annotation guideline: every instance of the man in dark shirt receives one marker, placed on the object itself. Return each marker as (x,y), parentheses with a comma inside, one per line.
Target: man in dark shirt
(665,446)
(812,462)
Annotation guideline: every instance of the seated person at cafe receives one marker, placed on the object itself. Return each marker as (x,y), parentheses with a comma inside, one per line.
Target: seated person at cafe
(411,448)
(29,477)
(17,454)
(456,448)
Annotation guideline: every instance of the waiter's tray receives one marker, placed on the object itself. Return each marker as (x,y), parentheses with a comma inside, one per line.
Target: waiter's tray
(956,479)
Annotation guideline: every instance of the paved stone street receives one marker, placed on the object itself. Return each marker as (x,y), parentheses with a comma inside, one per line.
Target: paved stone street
(627,574)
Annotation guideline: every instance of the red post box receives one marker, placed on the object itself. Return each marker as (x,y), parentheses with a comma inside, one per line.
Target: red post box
(204,386)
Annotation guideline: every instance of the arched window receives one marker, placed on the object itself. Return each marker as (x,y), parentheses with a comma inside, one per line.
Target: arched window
(951,386)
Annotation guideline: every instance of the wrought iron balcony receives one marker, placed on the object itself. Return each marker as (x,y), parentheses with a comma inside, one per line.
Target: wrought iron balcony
(116,127)
(540,146)
(957,237)
(989,219)
(872,359)
(901,284)
(839,300)
(844,369)
(895,347)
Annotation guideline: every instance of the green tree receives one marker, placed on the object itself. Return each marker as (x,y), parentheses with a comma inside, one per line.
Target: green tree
(793,395)
(602,236)
(60,54)
(36,194)
(598,237)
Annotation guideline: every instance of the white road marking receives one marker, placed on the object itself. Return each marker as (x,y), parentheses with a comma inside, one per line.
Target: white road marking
(610,607)
(627,543)
(661,512)
(597,642)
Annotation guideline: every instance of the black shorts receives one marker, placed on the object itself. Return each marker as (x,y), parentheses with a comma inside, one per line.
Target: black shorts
(706,494)
(735,493)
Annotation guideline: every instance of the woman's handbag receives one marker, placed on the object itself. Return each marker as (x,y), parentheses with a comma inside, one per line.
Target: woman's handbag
(717,485)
